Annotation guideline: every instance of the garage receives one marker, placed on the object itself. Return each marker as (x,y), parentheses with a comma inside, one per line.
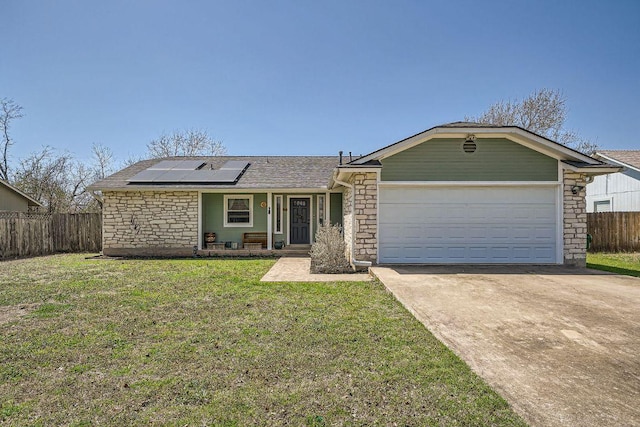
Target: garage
(499,224)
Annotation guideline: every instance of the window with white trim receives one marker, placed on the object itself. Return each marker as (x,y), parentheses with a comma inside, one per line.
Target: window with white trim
(238,210)
(321,210)
(602,206)
(278,214)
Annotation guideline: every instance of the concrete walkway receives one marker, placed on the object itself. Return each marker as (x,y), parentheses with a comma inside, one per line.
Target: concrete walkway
(297,270)
(561,345)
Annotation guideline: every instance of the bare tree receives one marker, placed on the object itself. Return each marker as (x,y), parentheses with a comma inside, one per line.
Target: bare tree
(56,180)
(543,112)
(185,143)
(9,111)
(43,175)
(102,158)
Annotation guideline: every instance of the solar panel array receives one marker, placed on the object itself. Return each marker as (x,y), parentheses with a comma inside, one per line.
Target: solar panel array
(186,165)
(190,172)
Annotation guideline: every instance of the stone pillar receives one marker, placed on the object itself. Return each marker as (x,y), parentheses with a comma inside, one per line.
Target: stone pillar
(574,219)
(365,209)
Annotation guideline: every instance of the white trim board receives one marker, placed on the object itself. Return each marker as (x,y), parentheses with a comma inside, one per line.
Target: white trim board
(515,134)
(467,183)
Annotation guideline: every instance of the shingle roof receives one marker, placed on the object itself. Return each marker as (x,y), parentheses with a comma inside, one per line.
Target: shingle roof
(469,125)
(629,157)
(264,172)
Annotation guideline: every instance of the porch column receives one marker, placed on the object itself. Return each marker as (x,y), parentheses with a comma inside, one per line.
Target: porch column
(269,222)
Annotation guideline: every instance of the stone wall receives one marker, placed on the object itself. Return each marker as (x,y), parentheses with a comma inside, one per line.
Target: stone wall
(347,218)
(575,220)
(150,223)
(366,216)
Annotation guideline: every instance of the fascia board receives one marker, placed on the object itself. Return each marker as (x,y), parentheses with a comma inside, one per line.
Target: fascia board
(515,134)
(219,190)
(604,170)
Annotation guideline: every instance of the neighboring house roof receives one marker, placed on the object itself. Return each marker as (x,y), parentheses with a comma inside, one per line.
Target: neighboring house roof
(31,201)
(264,172)
(627,158)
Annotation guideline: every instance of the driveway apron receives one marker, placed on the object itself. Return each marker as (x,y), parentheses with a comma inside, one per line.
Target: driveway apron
(561,345)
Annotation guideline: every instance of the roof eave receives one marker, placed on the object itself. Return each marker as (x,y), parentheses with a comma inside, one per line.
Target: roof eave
(594,170)
(514,133)
(31,201)
(211,188)
(342,172)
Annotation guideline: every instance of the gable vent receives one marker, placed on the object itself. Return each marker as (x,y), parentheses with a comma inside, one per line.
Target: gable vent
(469,146)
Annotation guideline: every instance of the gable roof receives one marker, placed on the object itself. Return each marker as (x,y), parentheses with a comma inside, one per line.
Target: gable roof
(627,158)
(481,130)
(30,201)
(264,172)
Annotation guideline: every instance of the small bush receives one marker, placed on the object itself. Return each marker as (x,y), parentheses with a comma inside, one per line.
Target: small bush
(328,252)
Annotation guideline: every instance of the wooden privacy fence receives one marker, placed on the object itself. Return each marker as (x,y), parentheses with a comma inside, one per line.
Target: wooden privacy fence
(29,234)
(614,231)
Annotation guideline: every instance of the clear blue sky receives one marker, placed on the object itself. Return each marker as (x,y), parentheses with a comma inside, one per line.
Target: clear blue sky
(308,77)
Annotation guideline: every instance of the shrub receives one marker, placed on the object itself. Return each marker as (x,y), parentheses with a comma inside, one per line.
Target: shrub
(328,251)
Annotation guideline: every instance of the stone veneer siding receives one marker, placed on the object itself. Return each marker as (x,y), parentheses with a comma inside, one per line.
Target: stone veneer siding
(365,209)
(574,220)
(149,223)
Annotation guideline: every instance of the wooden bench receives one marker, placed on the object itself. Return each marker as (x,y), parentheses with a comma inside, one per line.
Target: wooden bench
(255,237)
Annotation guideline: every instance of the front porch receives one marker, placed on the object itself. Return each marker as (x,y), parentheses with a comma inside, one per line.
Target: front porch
(288,251)
(274,219)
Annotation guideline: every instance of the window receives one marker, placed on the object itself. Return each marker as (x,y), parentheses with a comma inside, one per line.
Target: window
(238,211)
(278,214)
(602,206)
(321,210)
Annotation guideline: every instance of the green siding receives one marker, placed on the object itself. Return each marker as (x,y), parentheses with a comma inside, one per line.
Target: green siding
(494,160)
(335,215)
(10,201)
(213,217)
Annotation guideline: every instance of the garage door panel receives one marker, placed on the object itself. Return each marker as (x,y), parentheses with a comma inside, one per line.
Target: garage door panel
(468,225)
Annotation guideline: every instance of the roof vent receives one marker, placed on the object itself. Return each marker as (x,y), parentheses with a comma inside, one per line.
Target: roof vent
(469,146)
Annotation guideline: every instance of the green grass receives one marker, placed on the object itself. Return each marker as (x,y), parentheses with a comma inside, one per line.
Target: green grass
(621,263)
(203,342)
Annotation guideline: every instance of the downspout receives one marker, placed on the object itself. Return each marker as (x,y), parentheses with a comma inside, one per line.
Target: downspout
(354,262)
(98,197)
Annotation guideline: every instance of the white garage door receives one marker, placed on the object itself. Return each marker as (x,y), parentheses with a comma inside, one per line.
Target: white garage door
(468,225)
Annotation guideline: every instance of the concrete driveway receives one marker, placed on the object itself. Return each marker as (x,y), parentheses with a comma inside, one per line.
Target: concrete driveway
(561,345)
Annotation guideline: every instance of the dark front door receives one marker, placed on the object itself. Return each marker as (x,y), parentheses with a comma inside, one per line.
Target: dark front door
(300,220)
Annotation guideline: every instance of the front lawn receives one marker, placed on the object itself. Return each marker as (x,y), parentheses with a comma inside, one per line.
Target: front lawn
(621,263)
(203,342)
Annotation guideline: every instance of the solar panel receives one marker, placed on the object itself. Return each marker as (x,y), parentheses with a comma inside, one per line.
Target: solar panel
(147,175)
(190,172)
(177,165)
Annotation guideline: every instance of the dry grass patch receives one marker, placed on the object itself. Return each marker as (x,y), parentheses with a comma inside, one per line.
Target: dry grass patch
(203,342)
(12,313)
